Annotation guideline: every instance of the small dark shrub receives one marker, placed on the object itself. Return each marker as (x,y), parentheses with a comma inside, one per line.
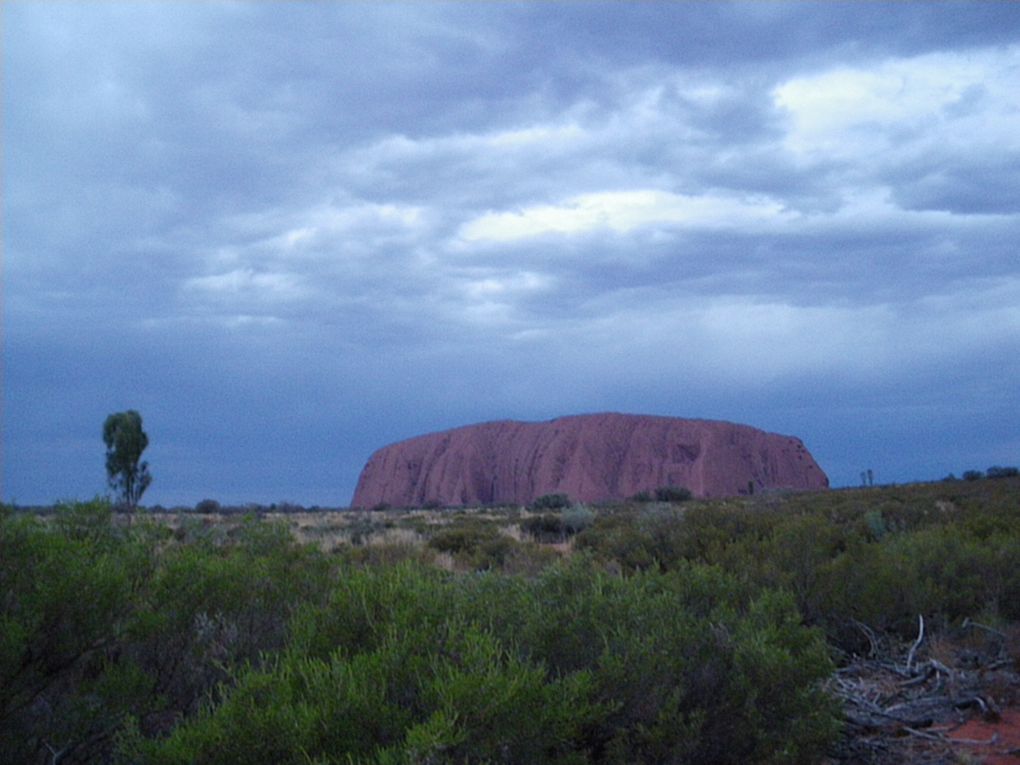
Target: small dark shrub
(1002,472)
(460,539)
(972,475)
(577,518)
(550,502)
(207,506)
(672,494)
(545,528)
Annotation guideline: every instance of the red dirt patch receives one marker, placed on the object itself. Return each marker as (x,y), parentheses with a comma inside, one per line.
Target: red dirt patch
(1003,736)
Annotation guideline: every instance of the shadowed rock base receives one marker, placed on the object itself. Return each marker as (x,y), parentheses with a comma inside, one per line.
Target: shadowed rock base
(590,458)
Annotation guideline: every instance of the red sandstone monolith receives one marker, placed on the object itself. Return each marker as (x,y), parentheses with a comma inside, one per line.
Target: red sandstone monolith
(590,458)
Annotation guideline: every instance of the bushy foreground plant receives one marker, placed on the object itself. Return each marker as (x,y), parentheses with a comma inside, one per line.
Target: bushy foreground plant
(673,635)
(65,602)
(407,664)
(101,622)
(878,557)
(557,527)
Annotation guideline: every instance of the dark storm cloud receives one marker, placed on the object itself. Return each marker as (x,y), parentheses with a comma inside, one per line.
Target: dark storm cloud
(291,233)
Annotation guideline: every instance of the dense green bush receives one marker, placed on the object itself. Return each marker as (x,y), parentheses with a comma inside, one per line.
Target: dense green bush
(67,599)
(577,518)
(545,528)
(100,621)
(475,546)
(550,502)
(880,557)
(557,527)
(408,665)
(671,634)
(672,494)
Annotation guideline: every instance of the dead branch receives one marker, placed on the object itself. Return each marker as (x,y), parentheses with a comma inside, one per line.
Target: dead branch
(968,622)
(56,754)
(941,737)
(869,634)
(917,643)
(921,679)
(888,703)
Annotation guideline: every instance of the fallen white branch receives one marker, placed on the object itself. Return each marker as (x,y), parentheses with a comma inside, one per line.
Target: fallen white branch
(916,645)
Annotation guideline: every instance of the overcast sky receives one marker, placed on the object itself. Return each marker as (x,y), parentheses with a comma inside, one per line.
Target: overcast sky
(292,233)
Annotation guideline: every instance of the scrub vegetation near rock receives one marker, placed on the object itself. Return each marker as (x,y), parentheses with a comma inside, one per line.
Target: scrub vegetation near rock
(774,628)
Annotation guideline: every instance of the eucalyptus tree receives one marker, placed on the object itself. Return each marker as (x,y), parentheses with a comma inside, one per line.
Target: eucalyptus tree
(125,441)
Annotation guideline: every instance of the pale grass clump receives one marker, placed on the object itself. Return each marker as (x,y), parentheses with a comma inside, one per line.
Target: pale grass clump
(514,532)
(396,536)
(444,561)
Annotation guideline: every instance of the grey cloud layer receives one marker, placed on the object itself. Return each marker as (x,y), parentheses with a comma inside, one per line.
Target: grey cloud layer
(659,207)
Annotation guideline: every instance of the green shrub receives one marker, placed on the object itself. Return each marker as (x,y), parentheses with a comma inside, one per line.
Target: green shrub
(672,494)
(461,539)
(545,528)
(65,609)
(474,546)
(550,527)
(411,665)
(577,518)
(550,502)
(207,506)
(670,634)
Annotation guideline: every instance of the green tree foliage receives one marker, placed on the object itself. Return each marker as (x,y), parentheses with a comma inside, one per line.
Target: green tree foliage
(125,441)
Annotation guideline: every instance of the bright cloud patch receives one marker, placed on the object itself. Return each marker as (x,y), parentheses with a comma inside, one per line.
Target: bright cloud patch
(970,96)
(245,281)
(326,228)
(621,212)
(401,149)
(497,287)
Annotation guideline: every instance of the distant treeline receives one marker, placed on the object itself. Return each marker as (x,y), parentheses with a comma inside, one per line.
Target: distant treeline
(993,472)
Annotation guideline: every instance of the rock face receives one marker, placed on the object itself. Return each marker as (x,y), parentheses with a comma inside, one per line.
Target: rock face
(590,458)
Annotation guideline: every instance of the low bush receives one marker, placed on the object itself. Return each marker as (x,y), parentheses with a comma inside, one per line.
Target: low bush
(545,528)
(207,506)
(410,665)
(552,527)
(672,494)
(577,518)
(474,546)
(550,502)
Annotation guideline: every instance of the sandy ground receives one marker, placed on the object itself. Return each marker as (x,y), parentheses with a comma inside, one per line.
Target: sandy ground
(1003,737)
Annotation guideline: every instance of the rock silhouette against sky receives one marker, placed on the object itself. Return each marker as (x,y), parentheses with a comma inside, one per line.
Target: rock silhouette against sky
(589,458)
